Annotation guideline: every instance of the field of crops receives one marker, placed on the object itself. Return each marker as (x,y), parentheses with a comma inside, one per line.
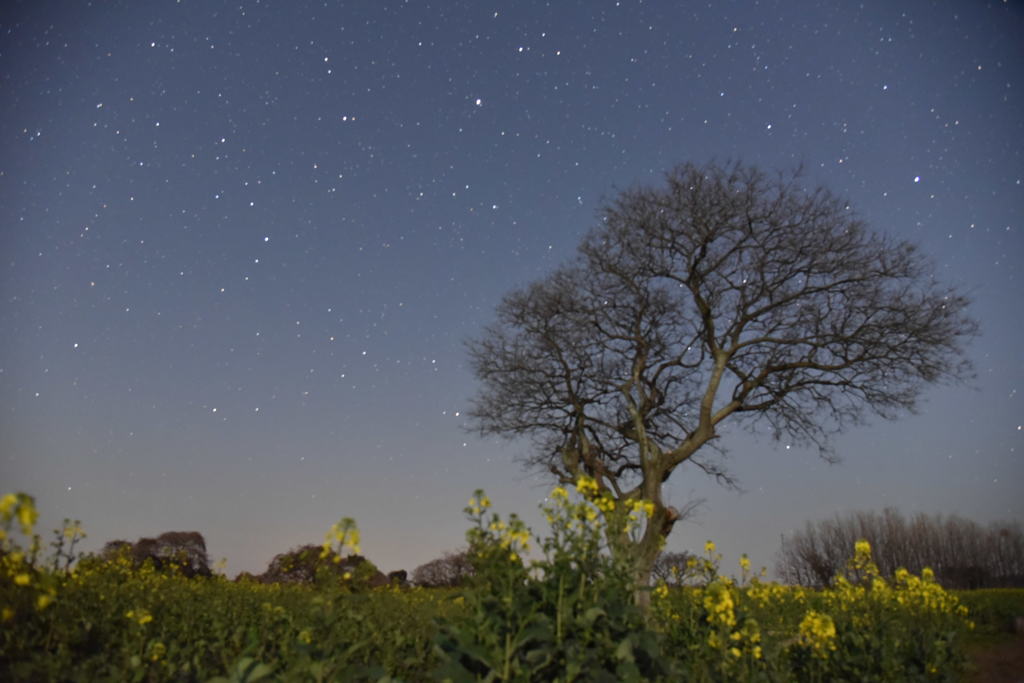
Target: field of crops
(569,615)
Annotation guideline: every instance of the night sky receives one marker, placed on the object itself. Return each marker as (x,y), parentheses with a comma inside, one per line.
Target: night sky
(242,245)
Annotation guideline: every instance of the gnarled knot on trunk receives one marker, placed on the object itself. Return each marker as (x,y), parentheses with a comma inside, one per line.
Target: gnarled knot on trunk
(671,517)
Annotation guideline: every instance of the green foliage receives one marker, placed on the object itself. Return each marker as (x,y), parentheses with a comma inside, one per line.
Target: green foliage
(994,610)
(568,615)
(863,629)
(114,622)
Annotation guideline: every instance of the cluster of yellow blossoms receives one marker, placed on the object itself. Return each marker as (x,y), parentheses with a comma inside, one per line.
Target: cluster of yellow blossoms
(478,503)
(20,506)
(817,632)
(860,600)
(864,585)
(345,534)
(628,512)
(720,602)
(139,616)
(15,562)
(512,537)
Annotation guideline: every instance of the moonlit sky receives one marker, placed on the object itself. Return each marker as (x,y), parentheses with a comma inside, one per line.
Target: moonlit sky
(242,244)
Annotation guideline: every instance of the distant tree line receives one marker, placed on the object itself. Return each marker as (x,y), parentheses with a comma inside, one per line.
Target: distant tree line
(185,552)
(962,553)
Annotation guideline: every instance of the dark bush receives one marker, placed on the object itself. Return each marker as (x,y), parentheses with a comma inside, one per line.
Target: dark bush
(309,564)
(183,551)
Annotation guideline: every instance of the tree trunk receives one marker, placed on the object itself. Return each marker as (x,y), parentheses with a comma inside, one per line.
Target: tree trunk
(642,577)
(641,556)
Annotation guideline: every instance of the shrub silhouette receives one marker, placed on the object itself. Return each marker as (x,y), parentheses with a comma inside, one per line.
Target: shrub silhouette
(183,551)
(448,571)
(309,564)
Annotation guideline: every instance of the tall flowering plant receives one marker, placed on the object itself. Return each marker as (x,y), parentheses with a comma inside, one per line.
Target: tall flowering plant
(565,615)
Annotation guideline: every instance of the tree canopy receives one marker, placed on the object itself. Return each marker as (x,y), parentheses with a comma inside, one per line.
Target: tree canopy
(728,293)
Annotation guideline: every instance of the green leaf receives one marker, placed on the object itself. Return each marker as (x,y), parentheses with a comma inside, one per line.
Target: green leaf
(247,670)
(592,615)
(624,652)
(318,670)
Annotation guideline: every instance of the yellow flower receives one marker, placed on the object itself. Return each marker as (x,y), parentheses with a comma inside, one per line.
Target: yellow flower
(345,533)
(661,591)
(157,651)
(305,636)
(587,486)
(818,632)
(719,604)
(752,630)
(143,617)
(709,547)
(735,652)
(7,504)
(862,547)
(6,614)
(27,515)
(744,563)
(22,579)
(478,503)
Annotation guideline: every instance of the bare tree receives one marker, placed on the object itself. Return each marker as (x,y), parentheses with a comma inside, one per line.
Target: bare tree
(727,294)
(674,568)
(961,552)
(448,571)
(187,549)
